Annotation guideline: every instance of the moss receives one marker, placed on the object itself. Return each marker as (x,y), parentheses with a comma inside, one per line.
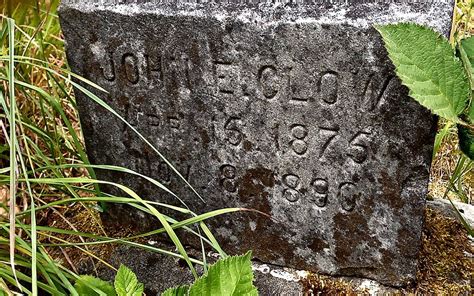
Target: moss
(445,266)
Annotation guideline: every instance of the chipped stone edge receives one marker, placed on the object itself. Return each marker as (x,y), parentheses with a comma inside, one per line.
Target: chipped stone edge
(340,14)
(360,285)
(446,208)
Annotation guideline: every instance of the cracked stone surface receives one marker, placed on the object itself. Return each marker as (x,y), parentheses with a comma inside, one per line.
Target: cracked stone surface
(290,109)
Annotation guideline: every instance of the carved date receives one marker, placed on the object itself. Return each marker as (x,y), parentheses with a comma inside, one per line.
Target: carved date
(292,183)
(318,192)
(299,133)
(227,177)
(348,196)
(233,132)
(327,134)
(358,149)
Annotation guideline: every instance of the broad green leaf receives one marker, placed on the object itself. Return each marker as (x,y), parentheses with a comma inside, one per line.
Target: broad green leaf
(126,283)
(470,114)
(229,276)
(466,140)
(426,64)
(88,285)
(466,49)
(177,291)
(467,55)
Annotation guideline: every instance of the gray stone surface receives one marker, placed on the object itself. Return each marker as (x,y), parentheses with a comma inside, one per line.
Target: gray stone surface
(159,272)
(289,109)
(446,208)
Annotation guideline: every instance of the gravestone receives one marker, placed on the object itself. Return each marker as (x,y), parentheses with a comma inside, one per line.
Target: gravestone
(292,109)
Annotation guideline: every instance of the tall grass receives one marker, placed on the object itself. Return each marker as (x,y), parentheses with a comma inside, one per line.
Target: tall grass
(44,165)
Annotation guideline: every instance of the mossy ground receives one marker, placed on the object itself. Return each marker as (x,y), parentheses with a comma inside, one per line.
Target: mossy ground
(446,264)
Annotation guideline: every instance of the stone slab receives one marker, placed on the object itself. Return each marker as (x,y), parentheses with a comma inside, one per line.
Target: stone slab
(446,208)
(290,109)
(159,272)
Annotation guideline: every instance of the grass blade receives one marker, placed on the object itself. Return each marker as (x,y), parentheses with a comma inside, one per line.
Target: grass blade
(13,164)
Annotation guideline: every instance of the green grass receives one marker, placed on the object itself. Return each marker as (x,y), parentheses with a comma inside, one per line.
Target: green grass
(44,165)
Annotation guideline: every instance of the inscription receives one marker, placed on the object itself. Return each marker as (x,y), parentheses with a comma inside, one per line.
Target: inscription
(109,71)
(130,68)
(299,133)
(269,81)
(227,177)
(296,97)
(153,68)
(292,183)
(177,71)
(374,91)
(166,175)
(164,172)
(348,196)
(133,115)
(233,133)
(174,122)
(319,192)
(153,119)
(133,67)
(328,87)
(149,164)
(327,134)
(227,77)
(358,149)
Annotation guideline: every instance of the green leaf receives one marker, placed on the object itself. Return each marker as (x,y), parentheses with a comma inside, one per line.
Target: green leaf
(229,276)
(466,49)
(470,114)
(88,285)
(466,140)
(467,55)
(177,291)
(126,283)
(426,64)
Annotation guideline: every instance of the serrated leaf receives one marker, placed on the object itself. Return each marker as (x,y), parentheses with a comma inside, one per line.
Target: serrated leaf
(126,283)
(177,291)
(466,140)
(470,113)
(466,49)
(229,276)
(467,55)
(426,64)
(88,285)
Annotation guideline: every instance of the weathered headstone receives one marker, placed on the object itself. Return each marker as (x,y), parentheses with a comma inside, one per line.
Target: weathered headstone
(290,109)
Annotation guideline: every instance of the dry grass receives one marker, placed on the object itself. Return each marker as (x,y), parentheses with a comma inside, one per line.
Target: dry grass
(446,264)
(443,166)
